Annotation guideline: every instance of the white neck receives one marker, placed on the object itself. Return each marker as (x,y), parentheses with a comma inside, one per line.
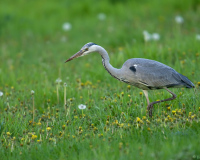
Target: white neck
(105,60)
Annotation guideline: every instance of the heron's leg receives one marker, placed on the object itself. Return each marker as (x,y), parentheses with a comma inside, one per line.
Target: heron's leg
(168,99)
(149,107)
(146,95)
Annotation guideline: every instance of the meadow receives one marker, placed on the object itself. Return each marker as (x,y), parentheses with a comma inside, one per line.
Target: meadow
(40,95)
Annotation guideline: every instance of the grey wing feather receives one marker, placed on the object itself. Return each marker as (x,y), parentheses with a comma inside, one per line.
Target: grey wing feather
(149,74)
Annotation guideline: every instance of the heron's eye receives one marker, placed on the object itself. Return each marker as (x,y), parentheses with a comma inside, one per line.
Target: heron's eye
(86,49)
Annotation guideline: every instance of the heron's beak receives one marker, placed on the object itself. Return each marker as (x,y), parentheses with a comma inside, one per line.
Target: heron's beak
(78,54)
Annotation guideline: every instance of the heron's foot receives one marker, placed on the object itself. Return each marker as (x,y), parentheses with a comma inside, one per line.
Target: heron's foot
(150,109)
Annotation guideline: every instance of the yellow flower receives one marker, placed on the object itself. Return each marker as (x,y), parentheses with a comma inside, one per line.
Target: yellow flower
(107,122)
(173,112)
(39,123)
(48,128)
(30,134)
(34,137)
(168,108)
(144,118)
(137,119)
(192,117)
(8,134)
(149,129)
(73,136)
(148,122)
(63,127)
(39,141)
(140,93)
(13,138)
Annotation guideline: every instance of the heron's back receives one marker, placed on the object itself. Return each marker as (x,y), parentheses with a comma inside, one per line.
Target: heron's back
(150,74)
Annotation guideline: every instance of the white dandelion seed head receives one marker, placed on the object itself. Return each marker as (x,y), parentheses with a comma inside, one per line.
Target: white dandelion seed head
(101,16)
(155,36)
(147,36)
(67,26)
(32,92)
(198,37)
(1,93)
(179,19)
(82,106)
(65,84)
(58,80)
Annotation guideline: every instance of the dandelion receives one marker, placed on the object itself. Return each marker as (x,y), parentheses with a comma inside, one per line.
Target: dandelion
(168,108)
(8,134)
(48,129)
(198,37)
(67,26)
(33,137)
(179,19)
(65,101)
(101,16)
(39,141)
(82,106)
(1,94)
(147,36)
(32,93)
(63,127)
(58,81)
(137,119)
(155,36)
(173,112)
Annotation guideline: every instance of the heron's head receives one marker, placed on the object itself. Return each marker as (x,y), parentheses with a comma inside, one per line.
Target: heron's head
(86,49)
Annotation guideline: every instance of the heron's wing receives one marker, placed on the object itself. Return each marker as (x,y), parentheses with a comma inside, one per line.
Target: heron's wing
(153,74)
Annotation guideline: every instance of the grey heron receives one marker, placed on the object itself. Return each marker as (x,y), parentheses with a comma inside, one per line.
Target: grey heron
(142,73)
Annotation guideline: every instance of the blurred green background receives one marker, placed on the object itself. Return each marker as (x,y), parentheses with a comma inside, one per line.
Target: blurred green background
(38,36)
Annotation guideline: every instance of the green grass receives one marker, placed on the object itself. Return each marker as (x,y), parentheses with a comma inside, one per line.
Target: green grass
(114,125)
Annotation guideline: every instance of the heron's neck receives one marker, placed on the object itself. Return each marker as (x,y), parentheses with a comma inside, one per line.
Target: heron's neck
(105,60)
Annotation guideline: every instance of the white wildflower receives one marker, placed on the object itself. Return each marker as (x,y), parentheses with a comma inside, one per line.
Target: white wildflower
(179,19)
(82,106)
(58,80)
(147,36)
(32,92)
(155,36)
(1,93)
(67,26)
(198,37)
(101,16)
